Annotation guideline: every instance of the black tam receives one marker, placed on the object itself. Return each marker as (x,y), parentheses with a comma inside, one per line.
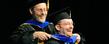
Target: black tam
(56,17)
(31,3)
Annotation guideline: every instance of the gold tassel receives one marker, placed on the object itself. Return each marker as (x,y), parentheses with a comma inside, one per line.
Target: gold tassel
(40,42)
(48,4)
(76,43)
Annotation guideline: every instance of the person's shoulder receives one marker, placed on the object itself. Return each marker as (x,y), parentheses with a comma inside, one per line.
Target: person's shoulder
(26,22)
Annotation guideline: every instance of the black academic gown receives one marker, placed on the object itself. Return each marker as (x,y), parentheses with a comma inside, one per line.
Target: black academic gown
(24,33)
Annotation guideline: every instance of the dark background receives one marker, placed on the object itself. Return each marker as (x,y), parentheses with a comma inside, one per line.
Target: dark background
(83,13)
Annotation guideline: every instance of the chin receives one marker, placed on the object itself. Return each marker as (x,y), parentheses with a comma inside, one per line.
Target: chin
(42,21)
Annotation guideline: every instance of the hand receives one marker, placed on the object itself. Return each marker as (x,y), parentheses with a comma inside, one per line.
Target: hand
(41,35)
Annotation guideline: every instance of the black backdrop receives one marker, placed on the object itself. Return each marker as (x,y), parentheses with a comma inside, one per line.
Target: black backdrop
(81,12)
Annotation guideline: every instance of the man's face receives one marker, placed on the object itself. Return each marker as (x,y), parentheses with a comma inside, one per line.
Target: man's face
(65,27)
(39,11)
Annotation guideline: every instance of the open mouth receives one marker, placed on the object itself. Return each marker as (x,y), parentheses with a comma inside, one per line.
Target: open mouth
(69,30)
(69,33)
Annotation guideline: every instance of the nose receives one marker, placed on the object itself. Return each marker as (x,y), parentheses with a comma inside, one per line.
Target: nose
(43,12)
(71,26)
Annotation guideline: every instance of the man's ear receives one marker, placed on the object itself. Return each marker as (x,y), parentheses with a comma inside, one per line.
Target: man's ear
(57,27)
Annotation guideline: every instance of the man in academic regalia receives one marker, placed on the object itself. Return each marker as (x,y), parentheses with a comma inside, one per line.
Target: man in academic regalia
(37,29)
(64,25)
